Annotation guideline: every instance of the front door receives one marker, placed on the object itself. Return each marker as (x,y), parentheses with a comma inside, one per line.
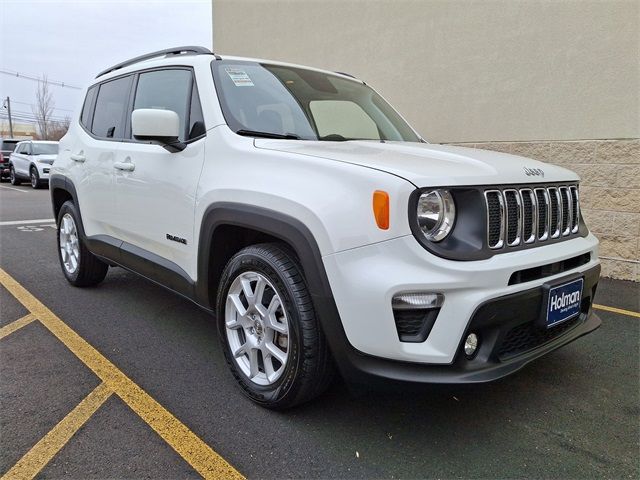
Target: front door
(156,189)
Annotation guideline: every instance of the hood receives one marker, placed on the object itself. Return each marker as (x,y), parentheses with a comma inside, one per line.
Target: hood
(46,158)
(425,164)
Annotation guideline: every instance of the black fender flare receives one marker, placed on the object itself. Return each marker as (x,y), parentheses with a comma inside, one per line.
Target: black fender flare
(60,182)
(291,231)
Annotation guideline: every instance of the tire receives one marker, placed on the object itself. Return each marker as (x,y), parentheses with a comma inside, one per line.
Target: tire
(13,178)
(307,369)
(35,178)
(87,270)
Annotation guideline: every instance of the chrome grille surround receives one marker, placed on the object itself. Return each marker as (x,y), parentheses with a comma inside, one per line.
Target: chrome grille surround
(529,215)
(526,216)
(544,208)
(514,216)
(575,196)
(495,238)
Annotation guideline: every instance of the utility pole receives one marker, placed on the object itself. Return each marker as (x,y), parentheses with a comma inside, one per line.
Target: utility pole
(7,105)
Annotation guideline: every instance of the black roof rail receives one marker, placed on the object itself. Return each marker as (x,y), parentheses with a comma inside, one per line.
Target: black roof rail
(159,53)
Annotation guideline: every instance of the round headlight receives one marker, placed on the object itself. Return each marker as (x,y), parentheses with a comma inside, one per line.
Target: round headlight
(436,214)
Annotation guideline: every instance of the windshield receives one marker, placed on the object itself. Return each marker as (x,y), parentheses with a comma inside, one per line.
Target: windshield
(287,102)
(45,149)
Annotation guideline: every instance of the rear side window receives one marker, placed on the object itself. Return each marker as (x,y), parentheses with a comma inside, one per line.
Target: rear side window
(87,108)
(111,106)
(166,90)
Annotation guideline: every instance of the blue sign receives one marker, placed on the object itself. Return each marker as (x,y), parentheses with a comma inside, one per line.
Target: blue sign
(564,302)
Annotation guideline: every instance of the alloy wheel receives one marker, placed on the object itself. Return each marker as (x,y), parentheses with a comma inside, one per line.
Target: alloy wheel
(257,328)
(69,244)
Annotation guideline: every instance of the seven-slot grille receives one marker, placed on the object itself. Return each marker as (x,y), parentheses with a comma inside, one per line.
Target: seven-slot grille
(517,216)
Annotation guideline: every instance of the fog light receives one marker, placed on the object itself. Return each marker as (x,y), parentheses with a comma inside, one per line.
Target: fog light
(471,345)
(413,300)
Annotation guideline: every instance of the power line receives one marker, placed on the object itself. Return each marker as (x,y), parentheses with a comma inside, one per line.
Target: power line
(31,114)
(33,105)
(35,78)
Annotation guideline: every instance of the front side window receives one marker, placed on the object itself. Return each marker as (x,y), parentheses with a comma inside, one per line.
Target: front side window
(166,90)
(306,104)
(111,105)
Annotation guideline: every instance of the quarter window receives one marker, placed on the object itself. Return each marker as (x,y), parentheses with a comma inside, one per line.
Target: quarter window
(111,105)
(166,90)
(87,108)
(196,121)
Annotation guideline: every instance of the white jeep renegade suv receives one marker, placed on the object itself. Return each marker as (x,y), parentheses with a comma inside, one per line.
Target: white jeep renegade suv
(319,227)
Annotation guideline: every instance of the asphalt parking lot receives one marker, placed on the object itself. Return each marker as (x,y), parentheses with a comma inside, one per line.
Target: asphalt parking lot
(127,380)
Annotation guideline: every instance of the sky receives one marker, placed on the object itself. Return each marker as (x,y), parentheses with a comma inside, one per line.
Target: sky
(71,41)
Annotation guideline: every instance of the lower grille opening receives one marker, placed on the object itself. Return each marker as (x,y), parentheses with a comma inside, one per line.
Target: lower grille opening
(414,326)
(529,336)
(535,273)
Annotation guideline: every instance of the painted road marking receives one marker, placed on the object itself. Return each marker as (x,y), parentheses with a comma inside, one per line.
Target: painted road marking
(35,228)
(187,444)
(17,325)
(48,446)
(16,189)
(617,310)
(27,222)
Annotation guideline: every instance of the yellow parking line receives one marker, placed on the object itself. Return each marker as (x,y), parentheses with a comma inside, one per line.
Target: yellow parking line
(617,310)
(187,444)
(47,448)
(17,325)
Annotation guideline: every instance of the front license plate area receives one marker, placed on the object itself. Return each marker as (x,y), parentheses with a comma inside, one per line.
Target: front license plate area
(563,302)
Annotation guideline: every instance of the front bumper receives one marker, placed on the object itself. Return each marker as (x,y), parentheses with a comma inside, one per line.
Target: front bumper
(509,341)
(4,171)
(43,171)
(478,298)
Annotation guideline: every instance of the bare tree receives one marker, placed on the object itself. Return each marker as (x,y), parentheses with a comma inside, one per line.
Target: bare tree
(43,109)
(58,129)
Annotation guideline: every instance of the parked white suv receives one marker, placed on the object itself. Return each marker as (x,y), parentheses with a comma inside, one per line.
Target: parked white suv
(319,227)
(31,161)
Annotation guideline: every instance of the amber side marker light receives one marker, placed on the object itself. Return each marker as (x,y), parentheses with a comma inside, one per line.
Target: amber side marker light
(381,209)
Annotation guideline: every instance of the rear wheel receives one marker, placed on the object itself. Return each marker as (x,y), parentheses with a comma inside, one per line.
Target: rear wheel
(12,176)
(80,267)
(270,334)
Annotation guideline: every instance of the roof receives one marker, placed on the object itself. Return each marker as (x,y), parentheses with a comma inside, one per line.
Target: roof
(190,56)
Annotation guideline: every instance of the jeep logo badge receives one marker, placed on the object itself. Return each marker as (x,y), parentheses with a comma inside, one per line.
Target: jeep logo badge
(533,172)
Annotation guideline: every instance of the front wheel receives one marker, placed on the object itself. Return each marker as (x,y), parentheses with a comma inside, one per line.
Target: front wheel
(80,267)
(270,333)
(35,178)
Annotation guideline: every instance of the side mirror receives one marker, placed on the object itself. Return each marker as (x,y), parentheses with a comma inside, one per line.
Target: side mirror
(162,126)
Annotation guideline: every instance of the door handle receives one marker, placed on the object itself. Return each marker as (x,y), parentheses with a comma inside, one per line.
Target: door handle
(124,166)
(78,157)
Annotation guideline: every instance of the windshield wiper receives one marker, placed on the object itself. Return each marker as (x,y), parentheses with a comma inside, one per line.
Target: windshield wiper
(256,133)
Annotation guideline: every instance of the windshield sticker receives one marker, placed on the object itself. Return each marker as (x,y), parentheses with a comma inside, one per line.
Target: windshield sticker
(239,77)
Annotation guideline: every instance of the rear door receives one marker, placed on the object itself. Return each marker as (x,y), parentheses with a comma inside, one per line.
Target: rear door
(94,152)
(155,200)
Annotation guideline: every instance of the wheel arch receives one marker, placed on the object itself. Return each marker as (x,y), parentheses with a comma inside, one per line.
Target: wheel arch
(267,225)
(61,190)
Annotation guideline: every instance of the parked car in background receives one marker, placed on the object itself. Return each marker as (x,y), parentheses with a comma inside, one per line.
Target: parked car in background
(7,145)
(31,161)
